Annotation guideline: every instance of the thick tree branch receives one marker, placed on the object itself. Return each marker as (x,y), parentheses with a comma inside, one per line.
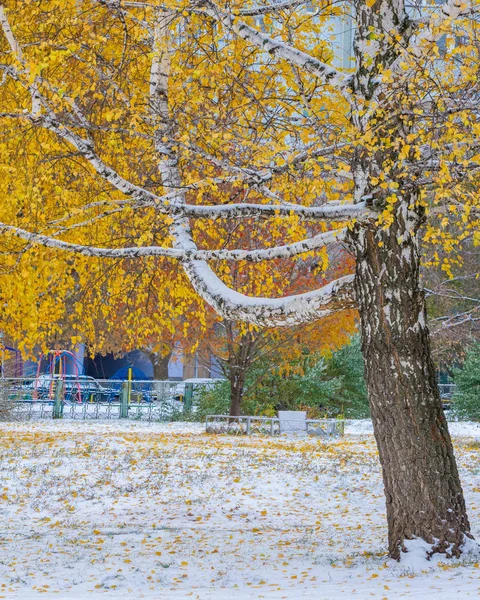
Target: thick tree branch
(336,212)
(267,9)
(268,312)
(326,73)
(286,251)
(170,204)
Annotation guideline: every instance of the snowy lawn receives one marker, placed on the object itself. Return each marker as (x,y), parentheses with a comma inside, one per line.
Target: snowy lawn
(131,510)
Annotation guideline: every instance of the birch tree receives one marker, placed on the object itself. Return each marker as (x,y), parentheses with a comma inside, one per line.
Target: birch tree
(159,107)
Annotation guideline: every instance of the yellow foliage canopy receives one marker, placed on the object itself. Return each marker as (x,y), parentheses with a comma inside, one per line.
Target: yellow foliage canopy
(81,71)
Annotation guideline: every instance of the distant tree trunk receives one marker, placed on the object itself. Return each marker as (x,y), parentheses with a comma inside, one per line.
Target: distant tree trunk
(237,388)
(160,365)
(423,492)
(241,352)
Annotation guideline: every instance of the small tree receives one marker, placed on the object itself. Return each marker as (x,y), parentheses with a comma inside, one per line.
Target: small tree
(297,379)
(249,356)
(466,398)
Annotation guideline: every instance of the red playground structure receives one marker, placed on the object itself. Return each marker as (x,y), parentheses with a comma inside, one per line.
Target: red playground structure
(57,371)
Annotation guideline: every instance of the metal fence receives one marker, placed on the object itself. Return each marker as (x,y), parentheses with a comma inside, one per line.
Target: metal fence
(86,398)
(446,390)
(41,409)
(47,397)
(225,424)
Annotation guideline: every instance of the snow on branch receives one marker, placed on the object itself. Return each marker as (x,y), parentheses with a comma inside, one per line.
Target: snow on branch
(269,312)
(324,72)
(271,8)
(250,12)
(286,251)
(333,211)
(256,177)
(167,203)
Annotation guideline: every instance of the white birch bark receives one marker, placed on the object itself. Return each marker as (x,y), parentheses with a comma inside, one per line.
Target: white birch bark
(227,302)
(324,72)
(189,253)
(17,52)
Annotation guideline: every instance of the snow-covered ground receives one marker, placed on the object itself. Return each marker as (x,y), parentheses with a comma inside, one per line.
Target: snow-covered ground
(133,510)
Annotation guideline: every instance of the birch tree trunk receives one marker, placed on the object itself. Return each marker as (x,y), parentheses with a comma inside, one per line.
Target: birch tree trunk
(424,497)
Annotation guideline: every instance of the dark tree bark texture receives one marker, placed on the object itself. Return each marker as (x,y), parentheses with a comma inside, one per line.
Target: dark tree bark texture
(160,365)
(423,493)
(241,352)
(237,387)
